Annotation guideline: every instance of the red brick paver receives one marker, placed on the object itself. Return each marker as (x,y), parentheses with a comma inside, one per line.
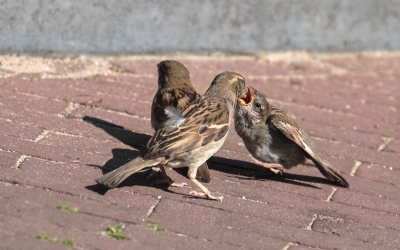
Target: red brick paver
(64,118)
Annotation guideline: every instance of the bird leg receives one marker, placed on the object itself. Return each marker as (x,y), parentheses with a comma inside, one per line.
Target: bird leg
(274,167)
(206,192)
(153,171)
(168,180)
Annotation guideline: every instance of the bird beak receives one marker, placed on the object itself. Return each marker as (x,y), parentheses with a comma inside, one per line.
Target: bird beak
(247,98)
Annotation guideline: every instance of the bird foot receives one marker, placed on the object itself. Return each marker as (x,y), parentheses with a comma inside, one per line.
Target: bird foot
(274,167)
(179,185)
(276,171)
(206,194)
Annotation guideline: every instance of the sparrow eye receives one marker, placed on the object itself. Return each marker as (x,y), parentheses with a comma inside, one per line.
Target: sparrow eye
(258,105)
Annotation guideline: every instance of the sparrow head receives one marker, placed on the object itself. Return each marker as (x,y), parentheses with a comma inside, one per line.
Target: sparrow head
(252,106)
(172,72)
(228,85)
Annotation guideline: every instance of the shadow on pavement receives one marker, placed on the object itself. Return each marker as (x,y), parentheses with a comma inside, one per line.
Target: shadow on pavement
(242,169)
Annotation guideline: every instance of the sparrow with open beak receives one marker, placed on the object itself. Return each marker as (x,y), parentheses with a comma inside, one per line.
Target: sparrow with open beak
(275,140)
(175,92)
(193,137)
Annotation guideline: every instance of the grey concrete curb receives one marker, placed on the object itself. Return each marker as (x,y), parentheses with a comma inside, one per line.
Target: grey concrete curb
(195,26)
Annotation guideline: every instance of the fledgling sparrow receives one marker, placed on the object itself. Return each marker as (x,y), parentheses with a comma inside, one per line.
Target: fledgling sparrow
(175,92)
(199,132)
(275,140)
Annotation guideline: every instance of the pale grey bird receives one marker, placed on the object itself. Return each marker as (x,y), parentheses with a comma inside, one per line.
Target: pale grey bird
(275,140)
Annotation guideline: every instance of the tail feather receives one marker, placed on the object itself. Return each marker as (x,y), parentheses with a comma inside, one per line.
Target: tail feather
(330,172)
(115,177)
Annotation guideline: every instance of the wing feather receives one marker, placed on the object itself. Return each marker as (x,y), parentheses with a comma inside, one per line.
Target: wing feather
(204,120)
(292,131)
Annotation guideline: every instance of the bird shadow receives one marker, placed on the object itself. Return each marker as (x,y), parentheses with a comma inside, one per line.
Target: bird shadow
(295,179)
(249,171)
(138,141)
(120,157)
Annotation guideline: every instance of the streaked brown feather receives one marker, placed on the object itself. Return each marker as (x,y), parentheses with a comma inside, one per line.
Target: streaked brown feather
(165,143)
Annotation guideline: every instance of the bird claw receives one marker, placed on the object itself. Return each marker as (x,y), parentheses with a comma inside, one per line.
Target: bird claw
(179,185)
(208,195)
(276,171)
(274,167)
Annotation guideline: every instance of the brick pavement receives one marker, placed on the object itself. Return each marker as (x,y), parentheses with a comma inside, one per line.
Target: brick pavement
(64,118)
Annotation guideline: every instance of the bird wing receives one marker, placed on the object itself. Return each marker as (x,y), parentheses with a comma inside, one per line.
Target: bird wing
(204,121)
(285,124)
(291,130)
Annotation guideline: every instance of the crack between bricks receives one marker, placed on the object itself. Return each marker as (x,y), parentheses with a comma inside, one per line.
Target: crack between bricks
(65,134)
(357,164)
(153,207)
(331,195)
(42,135)
(385,143)
(309,226)
(16,183)
(69,109)
(110,111)
(32,156)
(122,113)
(289,244)
(20,160)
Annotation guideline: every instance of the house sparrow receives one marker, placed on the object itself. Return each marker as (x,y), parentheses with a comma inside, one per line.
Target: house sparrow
(275,140)
(175,92)
(199,132)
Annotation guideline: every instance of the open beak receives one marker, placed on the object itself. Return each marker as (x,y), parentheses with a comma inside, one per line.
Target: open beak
(247,98)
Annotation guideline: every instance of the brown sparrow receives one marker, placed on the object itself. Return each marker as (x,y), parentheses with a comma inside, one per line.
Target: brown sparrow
(192,138)
(275,140)
(175,92)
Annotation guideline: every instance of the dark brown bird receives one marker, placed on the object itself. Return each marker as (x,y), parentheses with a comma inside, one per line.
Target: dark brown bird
(275,140)
(197,134)
(175,92)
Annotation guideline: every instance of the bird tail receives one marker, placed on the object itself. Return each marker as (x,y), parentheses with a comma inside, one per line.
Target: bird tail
(330,172)
(115,177)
